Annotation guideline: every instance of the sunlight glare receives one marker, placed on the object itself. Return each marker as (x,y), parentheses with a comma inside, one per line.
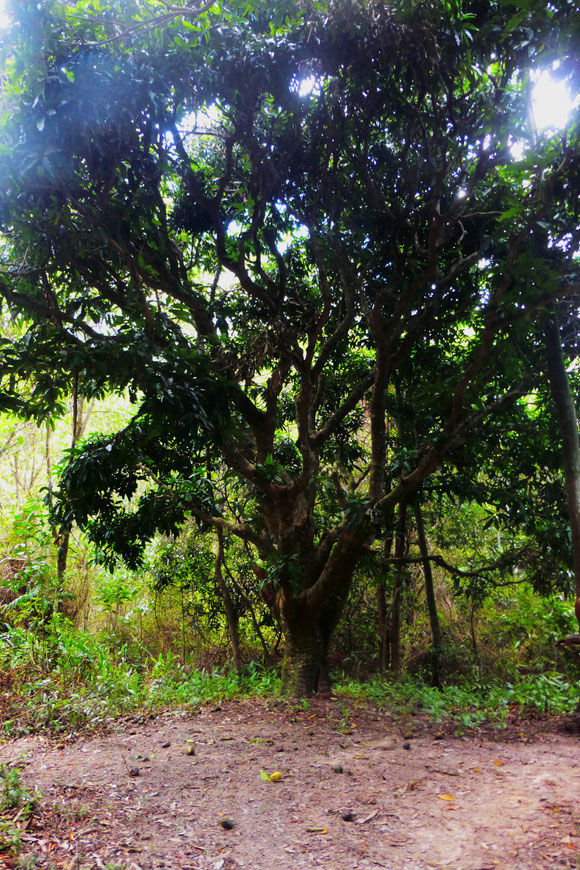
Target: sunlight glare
(551,102)
(4,19)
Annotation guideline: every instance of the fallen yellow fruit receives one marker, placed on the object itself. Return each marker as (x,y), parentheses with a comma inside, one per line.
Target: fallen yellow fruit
(275,777)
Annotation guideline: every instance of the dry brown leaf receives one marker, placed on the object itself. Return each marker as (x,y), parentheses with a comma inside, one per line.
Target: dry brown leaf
(367,818)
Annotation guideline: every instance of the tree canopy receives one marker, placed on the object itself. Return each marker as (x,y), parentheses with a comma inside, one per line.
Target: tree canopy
(287,229)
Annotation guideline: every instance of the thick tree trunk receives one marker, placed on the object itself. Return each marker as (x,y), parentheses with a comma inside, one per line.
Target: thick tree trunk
(568,421)
(430,595)
(307,634)
(305,662)
(309,623)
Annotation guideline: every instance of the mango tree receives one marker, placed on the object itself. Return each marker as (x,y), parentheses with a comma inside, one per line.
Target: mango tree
(252,216)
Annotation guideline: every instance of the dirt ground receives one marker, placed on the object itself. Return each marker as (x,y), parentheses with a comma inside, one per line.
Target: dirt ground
(356,790)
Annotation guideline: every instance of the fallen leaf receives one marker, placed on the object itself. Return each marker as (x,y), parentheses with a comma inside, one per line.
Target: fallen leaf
(316,831)
(444,772)
(446,797)
(367,818)
(381,744)
(498,763)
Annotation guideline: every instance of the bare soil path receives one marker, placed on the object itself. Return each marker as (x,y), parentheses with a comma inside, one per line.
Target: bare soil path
(356,791)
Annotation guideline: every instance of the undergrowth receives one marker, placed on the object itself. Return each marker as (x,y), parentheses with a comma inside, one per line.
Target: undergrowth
(469,702)
(67,680)
(60,679)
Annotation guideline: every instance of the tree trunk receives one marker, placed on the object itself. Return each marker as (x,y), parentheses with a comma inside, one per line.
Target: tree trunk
(566,412)
(304,662)
(231,617)
(64,535)
(429,594)
(400,541)
(311,591)
(307,633)
(382,627)
(382,609)
(61,560)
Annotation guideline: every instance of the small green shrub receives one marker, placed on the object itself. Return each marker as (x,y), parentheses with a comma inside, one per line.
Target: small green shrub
(12,794)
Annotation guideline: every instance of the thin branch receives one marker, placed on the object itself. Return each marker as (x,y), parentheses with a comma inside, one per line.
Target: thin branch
(502,564)
(144,26)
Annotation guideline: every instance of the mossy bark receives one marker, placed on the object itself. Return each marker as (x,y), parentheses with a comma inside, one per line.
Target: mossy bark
(308,628)
(305,663)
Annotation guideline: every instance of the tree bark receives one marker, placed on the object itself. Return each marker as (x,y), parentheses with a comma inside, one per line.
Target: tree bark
(429,594)
(382,626)
(231,617)
(382,608)
(567,419)
(307,634)
(400,541)
(303,661)
(308,627)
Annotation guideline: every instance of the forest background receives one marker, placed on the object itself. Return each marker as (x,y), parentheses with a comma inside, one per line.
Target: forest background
(289,351)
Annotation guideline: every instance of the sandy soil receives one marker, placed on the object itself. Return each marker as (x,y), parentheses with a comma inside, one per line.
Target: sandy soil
(356,791)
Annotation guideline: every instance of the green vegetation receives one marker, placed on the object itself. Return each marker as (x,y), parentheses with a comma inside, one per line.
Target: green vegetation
(64,697)
(58,677)
(13,796)
(469,703)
